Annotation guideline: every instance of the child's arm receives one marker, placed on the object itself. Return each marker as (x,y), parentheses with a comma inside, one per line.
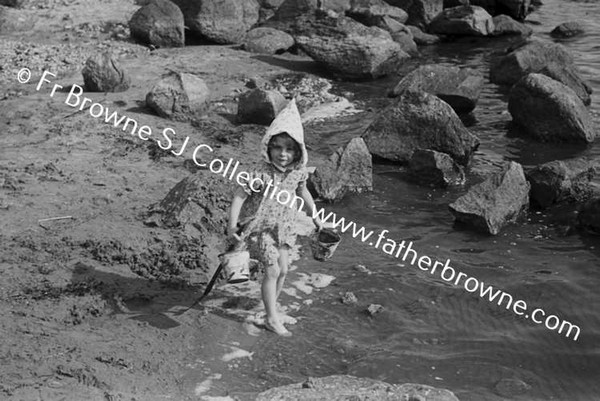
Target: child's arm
(309,202)
(239,197)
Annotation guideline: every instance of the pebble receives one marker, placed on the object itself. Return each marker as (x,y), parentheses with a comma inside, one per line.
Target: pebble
(510,388)
(349,298)
(362,269)
(374,309)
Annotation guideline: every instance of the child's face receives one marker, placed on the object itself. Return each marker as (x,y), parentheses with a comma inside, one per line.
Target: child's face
(282,150)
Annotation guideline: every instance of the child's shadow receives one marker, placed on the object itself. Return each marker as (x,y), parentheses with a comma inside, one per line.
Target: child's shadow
(142,299)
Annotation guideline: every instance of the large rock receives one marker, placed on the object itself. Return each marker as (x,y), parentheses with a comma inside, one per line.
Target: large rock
(420,12)
(221,21)
(389,24)
(517,9)
(561,181)
(459,87)
(569,77)
(463,20)
(505,25)
(588,218)
(530,56)
(198,206)
(494,203)
(344,388)
(550,111)
(375,12)
(347,48)
(349,169)
(434,169)
(419,120)
(536,55)
(382,15)
(260,106)
(404,37)
(539,56)
(102,73)
(421,38)
(159,23)
(309,91)
(292,9)
(568,29)
(179,96)
(270,4)
(267,40)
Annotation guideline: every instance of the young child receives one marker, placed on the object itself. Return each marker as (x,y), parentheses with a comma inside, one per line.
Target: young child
(265,209)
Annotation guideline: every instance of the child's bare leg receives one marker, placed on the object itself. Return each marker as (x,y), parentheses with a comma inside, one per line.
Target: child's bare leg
(269,297)
(283,269)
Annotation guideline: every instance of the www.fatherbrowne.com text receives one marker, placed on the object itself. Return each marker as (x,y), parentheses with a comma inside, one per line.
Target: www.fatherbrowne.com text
(230,170)
(404,251)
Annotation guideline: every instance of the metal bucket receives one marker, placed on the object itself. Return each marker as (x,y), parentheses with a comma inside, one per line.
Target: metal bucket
(236,265)
(325,244)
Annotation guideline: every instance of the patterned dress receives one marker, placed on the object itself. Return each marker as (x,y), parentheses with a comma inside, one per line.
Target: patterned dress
(269,216)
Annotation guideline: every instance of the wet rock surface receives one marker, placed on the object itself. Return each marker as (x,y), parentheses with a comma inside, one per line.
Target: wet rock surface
(403,35)
(421,38)
(532,56)
(347,48)
(419,120)
(435,169)
(588,218)
(459,87)
(568,30)
(495,202)
(517,9)
(260,106)
(550,111)
(348,170)
(561,181)
(348,387)
(420,12)
(570,78)
(505,25)
(375,13)
(463,20)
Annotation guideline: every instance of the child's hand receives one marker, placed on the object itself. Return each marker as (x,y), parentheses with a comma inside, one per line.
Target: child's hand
(234,241)
(318,224)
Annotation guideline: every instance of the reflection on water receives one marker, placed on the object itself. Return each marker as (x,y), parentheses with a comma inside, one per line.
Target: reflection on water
(431,332)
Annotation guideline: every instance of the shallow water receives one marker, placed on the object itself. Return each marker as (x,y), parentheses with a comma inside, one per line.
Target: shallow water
(431,332)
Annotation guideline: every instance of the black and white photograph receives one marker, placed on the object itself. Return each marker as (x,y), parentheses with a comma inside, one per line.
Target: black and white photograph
(299,200)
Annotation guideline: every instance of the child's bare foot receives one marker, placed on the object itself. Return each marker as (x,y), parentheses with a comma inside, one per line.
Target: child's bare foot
(286,319)
(277,327)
